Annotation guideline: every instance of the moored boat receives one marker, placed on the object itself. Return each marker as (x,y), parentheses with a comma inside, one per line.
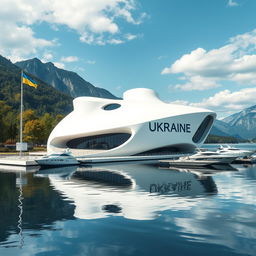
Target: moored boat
(202,158)
(58,159)
(236,152)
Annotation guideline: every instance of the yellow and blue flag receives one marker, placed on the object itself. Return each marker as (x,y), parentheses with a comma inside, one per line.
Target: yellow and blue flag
(27,80)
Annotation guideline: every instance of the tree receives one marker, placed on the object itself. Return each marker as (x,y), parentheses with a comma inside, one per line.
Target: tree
(47,122)
(33,131)
(28,115)
(8,122)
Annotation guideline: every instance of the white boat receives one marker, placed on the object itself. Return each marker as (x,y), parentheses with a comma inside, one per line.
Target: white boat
(203,158)
(236,152)
(220,157)
(186,162)
(58,159)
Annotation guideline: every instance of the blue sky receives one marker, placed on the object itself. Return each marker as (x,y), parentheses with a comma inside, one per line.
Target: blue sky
(194,52)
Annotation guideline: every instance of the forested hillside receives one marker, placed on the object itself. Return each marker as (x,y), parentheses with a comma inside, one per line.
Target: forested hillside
(42,103)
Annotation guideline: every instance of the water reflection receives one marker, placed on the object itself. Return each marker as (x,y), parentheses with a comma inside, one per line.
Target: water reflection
(95,205)
(134,191)
(28,202)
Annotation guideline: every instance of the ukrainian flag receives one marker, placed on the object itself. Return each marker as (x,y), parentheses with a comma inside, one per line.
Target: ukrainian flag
(27,80)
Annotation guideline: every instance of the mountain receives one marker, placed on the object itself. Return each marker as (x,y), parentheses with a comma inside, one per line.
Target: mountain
(65,81)
(43,99)
(220,128)
(243,123)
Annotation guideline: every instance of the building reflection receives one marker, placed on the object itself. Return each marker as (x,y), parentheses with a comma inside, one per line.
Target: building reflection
(193,204)
(36,200)
(132,191)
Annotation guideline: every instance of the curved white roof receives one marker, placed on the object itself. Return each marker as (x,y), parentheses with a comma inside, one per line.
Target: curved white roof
(135,114)
(138,106)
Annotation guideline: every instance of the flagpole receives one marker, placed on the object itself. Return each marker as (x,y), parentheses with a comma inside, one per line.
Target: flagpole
(21,111)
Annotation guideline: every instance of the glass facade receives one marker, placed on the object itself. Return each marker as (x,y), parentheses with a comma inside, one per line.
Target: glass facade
(203,129)
(103,141)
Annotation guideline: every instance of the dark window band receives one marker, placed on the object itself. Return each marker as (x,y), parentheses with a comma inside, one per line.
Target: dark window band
(103,141)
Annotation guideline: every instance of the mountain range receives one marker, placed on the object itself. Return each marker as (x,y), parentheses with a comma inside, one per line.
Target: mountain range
(43,99)
(65,81)
(240,125)
(59,86)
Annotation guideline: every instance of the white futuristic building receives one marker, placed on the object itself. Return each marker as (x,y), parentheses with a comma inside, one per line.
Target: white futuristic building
(138,124)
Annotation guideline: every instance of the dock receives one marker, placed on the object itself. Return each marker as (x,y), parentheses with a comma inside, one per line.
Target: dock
(150,159)
(29,160)
(17,163)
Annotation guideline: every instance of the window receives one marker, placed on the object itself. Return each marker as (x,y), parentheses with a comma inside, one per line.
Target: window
(203,129)
(111,106)
(103,141)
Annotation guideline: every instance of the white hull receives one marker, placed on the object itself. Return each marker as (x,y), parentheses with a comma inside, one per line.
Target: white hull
(59,159)
(191,163)
(235,152)
(48,162)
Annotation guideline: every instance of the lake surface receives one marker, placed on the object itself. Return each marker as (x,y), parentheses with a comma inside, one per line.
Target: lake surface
(128,209)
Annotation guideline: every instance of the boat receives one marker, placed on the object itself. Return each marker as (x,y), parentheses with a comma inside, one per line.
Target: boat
(236,152)
(58,159)
(202,158)
(220,157)
(186,162)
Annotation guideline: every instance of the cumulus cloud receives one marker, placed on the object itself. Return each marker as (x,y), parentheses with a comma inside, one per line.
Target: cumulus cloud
(115,41)
(95,21)
(226,102)
(69,59)
(196,82)
(232,3)
(203,69)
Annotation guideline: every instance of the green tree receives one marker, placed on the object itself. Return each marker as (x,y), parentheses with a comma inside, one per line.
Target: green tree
(8,122)
(47,122)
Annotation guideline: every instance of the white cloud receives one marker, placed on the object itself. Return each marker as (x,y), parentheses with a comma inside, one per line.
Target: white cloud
(69,59)
(225,102)
(232,3)
(96,22)
(19,41)
(203,69)
(47,57)
(228,100)
(198,83)
(115,41)
(130,37)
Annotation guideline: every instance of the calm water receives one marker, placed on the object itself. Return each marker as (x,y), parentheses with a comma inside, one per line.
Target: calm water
(128,210)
